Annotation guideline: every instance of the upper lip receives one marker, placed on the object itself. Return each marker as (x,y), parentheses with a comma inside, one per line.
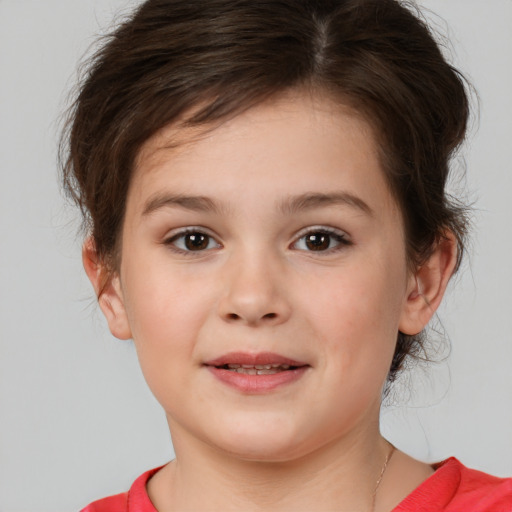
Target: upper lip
(260,358)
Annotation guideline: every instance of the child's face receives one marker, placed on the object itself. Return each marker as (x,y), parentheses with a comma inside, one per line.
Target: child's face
(274,233)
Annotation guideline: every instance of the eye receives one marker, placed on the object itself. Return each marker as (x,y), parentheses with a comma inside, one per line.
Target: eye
(192,241)
(321,240)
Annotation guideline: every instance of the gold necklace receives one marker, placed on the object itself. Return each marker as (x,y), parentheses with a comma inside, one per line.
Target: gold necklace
(383,470)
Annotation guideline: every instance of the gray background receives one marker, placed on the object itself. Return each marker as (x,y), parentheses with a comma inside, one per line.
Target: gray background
(77,421)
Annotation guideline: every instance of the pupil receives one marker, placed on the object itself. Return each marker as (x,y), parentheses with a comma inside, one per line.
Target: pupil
(317,241)
(196,241)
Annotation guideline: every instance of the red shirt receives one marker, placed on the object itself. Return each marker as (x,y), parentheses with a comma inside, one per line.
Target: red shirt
(452,488)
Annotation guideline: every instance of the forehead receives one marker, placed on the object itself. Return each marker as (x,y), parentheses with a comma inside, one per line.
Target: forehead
(290,144)
(307,109)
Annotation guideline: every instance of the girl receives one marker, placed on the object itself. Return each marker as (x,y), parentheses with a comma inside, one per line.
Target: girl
(264,184)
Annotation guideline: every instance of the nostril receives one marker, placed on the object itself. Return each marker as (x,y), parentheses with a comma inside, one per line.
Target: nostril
(267,316)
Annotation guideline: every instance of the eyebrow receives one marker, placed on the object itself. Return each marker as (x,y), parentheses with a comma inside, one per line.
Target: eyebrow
(289,206)
(309,201)
(193,203)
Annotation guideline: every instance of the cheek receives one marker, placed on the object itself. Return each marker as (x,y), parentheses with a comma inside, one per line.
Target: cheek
(356,311)
(162,300)
(166,313)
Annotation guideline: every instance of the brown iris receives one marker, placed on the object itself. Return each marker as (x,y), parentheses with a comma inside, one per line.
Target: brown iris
(318,241)
(196,241)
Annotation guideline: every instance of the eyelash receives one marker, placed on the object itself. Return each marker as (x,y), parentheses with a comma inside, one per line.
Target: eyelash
(339,237)
(171,241)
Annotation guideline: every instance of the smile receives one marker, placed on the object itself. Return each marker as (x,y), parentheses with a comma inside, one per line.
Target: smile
(259,369)
(256,373)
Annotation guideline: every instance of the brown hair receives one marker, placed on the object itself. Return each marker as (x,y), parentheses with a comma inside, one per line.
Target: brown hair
(224,56)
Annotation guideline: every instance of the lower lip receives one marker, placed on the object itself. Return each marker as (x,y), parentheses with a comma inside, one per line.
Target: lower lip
(257,383)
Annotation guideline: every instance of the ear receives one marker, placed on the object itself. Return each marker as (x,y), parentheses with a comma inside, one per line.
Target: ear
(108,290)
(427,286)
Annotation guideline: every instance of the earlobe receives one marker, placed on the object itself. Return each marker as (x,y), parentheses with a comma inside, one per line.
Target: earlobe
(428,285)
(107,287)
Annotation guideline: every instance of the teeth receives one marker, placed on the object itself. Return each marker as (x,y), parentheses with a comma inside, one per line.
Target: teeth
(259,369)
(258,366)
(248,371)
(269,371)
(254,371)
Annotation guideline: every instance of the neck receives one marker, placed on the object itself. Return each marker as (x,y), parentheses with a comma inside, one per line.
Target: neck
(338,476)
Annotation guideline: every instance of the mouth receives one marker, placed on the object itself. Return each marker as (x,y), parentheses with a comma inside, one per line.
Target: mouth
(256,373)
(244,362)
(258,369)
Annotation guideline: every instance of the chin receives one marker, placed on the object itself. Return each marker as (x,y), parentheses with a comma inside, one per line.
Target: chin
(258,444)
(264,452)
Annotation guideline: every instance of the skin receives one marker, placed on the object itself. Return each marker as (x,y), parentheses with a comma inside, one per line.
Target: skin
(313,444)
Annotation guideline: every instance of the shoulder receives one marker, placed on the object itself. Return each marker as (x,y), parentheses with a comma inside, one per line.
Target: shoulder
(135,500)
(455,488)
(117,503)
(484,492)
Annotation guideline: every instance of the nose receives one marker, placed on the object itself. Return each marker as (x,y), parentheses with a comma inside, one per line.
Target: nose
(254,292)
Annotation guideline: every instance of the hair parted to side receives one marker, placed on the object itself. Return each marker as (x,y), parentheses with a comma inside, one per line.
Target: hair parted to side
(199,62)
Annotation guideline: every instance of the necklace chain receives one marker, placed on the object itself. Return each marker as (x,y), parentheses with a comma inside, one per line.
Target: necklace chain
(379,480)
